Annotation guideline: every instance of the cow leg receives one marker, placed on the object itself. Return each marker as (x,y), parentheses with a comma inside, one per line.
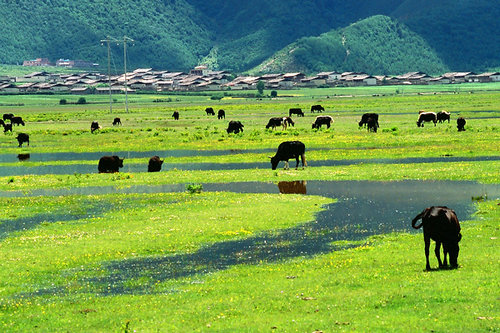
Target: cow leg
(437,251)
(427,241)
(297,160)
(303,158)
(286,165)
(445,256)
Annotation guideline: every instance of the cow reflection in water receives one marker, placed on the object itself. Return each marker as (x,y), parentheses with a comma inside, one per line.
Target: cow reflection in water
(23,157)
(295,187)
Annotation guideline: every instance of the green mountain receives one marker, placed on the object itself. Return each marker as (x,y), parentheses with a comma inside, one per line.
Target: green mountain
(376,45)
(238,35)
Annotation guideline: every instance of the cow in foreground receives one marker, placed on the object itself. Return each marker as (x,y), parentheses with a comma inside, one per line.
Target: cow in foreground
(110,164)
(17,121)
(154,164)
(210,111)
(366,116)
(175,115)
(317,107)
(235,127)
(461,124)
(442,116)
(322,120)
(94,126)
(441,225)
(22,138)
(288,150)
(426,117)
(117,121)
(296,111)
(221,114)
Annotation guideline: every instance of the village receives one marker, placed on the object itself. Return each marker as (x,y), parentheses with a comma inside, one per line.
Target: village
(201,78)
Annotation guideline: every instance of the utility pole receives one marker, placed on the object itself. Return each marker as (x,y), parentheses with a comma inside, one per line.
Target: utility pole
(107,41)
(125,40)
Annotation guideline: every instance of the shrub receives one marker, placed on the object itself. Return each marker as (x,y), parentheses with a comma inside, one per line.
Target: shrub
(63,101)
(81,100)
(194,188)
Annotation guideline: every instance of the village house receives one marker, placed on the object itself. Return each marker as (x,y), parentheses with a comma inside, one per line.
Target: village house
(37,62)
(9,88)
(488,77)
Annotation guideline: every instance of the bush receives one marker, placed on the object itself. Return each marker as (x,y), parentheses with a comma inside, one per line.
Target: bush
(194,188)
(274,94)
(63,101)
(81,100)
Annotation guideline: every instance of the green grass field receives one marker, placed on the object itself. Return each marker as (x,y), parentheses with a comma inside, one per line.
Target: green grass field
(134,262)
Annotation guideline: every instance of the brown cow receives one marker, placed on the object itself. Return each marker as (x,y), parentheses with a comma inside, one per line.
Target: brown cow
(441,225)
(109,164)
(154,164)
(461,124)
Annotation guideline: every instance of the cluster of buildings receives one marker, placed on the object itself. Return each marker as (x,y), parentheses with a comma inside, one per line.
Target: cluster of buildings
(203,79)
(39,62)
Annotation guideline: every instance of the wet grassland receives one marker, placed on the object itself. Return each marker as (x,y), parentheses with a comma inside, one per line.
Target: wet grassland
(224,260)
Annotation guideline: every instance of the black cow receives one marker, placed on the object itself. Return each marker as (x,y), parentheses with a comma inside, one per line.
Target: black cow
(22,138)
(7,116)
(234,126)
(175,115)
(426,116)
(210,111)
(296,111)
(442,116)
(109,164)
(94,126)
(441,225)
(274,122)
(322,120)
(17,121)
(460,124)
(366,116)
(7,127)
(372,125)
(2,123)
(154,164)
(317,107)
(288,150)
(117,121)
(287,121)
(221,114)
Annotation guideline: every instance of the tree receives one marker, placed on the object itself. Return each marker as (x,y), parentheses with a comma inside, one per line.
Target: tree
(260,87)
(274,93)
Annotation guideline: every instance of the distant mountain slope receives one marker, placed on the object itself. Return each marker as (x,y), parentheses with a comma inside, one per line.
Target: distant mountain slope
(376,45)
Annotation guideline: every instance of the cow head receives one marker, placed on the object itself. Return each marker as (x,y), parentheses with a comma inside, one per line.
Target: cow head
(274,162)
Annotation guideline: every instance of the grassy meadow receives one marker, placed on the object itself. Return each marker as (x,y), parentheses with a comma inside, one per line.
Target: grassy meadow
(188,261)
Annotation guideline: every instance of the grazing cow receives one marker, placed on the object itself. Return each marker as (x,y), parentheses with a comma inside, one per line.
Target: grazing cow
(274,122)
(234,126)
(322,120)
(94,126)
(117,121)
(2,123)
(175,115)
(287,121)
(7,116)
(442,116)
(17,121)
(23,157)
(296,111)
(154,164)
(293,187)
(288,150)
(426,116)
(461,124)
(210,111)
(372,125)
(366,116)
(317,107)
(441,225)
(7,127)
(221,114)
(22,138)
(109,164)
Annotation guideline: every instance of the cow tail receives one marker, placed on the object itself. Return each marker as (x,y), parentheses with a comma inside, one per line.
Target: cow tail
(414,221)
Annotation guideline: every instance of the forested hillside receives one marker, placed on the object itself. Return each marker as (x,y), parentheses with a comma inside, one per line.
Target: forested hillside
(238,35)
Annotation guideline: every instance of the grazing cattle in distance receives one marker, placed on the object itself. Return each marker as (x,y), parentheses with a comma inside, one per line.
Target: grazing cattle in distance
(461,124)
(22,138)
(7,116)
(287,121)
(7,127)
(210,111)
(221,114)
(154,164)
(274,122)
(17,121)
(371,125)
(366,116)
(317,107)
(426,116)
(175,115)
(117,121)
(322,120)
(442,116)
(23,157)
(109,164)
(235,127)
(441,225)
(293,187)
(288,150)
(296,111)
(94,126)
